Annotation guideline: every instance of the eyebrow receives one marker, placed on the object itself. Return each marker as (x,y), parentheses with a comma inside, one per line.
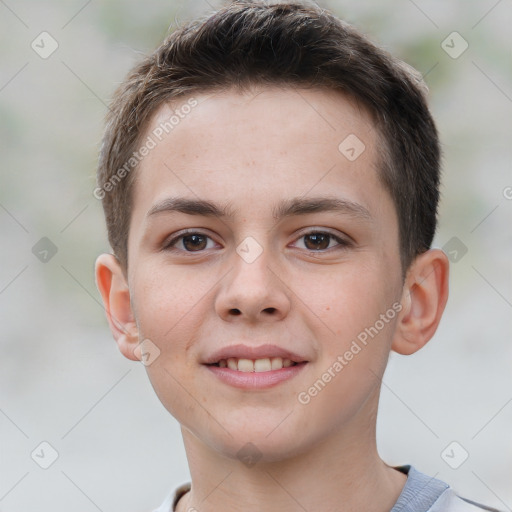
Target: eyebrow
(286,208)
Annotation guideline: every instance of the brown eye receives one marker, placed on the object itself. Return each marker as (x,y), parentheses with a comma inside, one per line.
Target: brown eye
(194,242)
(189,242)
(317,241)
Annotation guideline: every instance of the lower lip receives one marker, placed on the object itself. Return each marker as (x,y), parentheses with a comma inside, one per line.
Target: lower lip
(256,380)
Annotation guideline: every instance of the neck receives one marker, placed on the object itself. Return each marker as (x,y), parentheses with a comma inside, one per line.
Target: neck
(343,473)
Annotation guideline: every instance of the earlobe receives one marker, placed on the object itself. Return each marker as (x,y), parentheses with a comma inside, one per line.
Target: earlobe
(424,298)
(115,293)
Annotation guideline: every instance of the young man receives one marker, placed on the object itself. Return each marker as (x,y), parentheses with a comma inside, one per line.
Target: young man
(270,184)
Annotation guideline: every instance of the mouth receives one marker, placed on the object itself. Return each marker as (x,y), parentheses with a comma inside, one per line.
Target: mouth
(265,364)
(254,367)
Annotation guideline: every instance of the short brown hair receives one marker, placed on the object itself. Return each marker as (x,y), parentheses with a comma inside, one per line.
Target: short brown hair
(254,43)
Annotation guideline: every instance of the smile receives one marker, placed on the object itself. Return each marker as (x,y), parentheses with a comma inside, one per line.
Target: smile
(255,374)
(266,364)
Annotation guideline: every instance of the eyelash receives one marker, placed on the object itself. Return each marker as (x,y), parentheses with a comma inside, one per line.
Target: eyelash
(342,243)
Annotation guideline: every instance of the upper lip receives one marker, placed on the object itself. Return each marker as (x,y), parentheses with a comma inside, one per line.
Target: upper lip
(241,351)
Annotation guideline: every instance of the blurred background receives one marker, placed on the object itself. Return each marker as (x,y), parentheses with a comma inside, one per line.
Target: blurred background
(108,443)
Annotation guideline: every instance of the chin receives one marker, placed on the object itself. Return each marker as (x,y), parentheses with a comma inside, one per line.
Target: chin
(259,438)
(258,450)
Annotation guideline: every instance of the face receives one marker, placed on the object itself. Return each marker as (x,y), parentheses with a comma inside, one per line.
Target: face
(264,268)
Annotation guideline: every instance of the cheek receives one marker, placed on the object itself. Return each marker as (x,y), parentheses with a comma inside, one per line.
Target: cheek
(351,299)
(170,309)
(353,352)
(168,302)
(356,309)
(170,305)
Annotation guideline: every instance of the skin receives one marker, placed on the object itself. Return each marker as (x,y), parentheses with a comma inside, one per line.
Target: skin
(251,151)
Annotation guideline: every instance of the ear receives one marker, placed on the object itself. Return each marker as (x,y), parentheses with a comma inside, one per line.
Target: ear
(424,298)
(113,286)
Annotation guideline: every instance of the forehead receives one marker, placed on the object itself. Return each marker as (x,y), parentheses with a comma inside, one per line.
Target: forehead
(305,113)
(259,145)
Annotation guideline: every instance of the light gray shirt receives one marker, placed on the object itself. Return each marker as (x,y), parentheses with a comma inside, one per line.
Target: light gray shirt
(421,493)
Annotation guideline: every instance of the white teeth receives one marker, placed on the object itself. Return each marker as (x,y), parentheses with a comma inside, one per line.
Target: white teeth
(257,365)
(261,365)
(276,363)
(245,365)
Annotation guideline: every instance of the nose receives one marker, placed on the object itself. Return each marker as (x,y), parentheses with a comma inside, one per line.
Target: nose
(253,291)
